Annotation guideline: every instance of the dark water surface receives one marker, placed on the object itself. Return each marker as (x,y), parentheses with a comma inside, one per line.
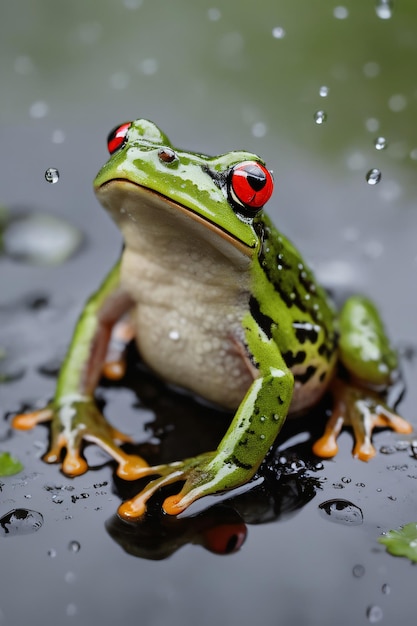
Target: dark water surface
(215,78)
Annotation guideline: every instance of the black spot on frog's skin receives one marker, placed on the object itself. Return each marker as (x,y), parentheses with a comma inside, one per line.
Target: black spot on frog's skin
(306,331)
(233,460)
(264,321)
(305,376)
(294,359)
(322,376)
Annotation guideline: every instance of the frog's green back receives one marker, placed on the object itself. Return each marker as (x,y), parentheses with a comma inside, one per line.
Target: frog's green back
(290,305)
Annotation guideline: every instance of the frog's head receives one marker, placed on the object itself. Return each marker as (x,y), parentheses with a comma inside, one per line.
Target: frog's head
(145,174)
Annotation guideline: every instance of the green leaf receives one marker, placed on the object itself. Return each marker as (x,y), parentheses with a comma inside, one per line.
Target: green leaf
(9,465)
(402,542)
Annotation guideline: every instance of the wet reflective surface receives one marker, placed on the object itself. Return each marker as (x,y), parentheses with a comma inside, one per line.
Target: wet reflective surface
(301,542)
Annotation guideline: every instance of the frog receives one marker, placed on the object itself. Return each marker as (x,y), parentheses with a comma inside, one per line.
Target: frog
(222,304)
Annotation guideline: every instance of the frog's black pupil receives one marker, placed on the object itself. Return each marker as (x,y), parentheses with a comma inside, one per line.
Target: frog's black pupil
(255,177)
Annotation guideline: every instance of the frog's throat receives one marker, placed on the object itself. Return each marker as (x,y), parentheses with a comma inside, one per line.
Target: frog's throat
(102,190)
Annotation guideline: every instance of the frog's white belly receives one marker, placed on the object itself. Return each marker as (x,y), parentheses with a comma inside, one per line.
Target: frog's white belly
(189,330)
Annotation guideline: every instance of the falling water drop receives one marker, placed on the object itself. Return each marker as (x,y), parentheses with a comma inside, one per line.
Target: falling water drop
(320,117)
(380,143)
(52,175)
(373,176)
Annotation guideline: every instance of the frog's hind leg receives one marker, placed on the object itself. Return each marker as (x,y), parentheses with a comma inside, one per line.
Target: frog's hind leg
(363,410)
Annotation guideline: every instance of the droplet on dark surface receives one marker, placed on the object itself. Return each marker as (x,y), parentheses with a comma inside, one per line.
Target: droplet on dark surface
(20,522)
(341,512)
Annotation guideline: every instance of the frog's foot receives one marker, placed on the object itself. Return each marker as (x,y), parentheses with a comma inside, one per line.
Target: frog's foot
(75,420)
(194,473)
(114,367)
(363,410)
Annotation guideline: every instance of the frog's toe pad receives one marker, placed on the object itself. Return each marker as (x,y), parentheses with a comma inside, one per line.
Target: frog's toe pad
(326,447)
(27,421)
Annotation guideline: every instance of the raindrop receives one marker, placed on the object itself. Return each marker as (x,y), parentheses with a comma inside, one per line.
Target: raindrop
(387,449)
(324,91)
(119,80)
(384,9)
(41,239)
(52,175)
(342,512)
(74,546)
(371,69)
(259,129)
(340,13)
(374,614)
(380,143)
(23,65)
(397,102)
(52,553)
(386,589)
(71,610)
(58,136)
(358,571)
(320,117)
(148,66)
(372,124)
(346,480)
(214,14)
(278,32)
(20,522)
(373,176)
(38,109)
(132,4)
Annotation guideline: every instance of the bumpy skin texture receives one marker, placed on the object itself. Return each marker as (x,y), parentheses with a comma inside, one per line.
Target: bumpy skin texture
(221,303)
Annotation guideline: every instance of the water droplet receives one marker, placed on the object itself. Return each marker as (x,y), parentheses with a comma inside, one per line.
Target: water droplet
(20,522)
(69,577)
(39,109)
(360,485)
(340,13)
(386,589)
(346,480)
(58,136)
(148,66)
(52,175)
(74,546)
(174,335)
(324,91)
(259,129)
(52,553)
(374,614)
(373,176)
(397,102)
(23,65)
(41,238)
(372,124)
(119,80)
(383,9)
(342,512)
(214,14)
(371,69)
(320,117)
(387,449)
(413,154)
(380,143)
(71,610)
(358,571)
(278,32)
(132,4)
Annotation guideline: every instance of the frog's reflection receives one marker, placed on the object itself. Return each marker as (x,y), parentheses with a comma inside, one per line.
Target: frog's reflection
(182,426)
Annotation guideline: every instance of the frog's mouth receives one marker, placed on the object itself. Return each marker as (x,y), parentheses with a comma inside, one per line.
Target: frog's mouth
(135,207)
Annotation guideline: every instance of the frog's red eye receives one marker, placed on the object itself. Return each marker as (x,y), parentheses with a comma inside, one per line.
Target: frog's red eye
(251,185)
(117,137)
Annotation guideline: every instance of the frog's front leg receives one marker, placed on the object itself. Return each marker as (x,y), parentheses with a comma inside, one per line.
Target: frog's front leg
(250,435)
(73,411)
(369,360)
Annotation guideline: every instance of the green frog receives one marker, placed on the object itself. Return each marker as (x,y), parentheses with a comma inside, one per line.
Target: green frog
(222,304)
